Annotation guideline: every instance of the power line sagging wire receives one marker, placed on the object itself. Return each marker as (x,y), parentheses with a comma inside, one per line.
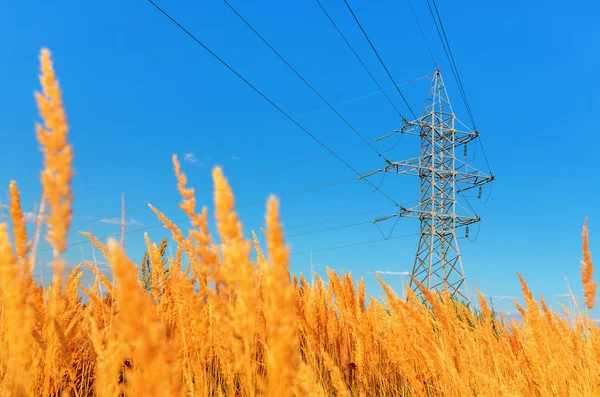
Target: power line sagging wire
(245,205)
(267,99)
(355,244)
(358,58)
(81,243)
(246,178)
(439,25)
(342,226)
(381,90)
(339,217)
(414,14)
(391,231)
(338,246)
(301,78)
(448,52)
(379,58)
(330,229)
(269,171)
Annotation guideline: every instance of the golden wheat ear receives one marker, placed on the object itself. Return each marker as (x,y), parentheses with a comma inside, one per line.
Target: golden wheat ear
(58,156)
(18,221)
(587,269)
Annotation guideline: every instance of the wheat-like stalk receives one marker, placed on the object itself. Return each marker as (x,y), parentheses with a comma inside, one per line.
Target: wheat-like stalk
(58,156)
(587,270)
(22,246)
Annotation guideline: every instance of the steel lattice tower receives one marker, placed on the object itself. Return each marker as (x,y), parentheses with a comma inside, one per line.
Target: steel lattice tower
(443,177)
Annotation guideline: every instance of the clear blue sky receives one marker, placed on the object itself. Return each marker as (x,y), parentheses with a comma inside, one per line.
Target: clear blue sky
(138,90)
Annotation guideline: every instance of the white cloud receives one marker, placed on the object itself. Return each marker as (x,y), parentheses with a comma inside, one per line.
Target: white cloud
(117,221)
(505,297)
(235,157)
(190,158)
(510,313)
(389,273)
(100,265)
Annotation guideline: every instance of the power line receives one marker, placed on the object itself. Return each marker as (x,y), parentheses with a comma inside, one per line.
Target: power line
(354,244)
(264,128)
(378,57)
(337,247)
(330,229)
(246,178)
(421,30)
(272,169)
(267,98)
(448,51)
(335,219)
(269,171)
(300,77)
(359,59)
(340,217)
(391,231)
(80,243)
(245,205)
(454,63)
(382,90)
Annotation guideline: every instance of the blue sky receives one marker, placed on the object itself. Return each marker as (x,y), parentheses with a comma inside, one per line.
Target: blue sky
(137,90)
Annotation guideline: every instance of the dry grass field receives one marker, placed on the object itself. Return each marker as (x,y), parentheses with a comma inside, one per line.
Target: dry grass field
(218,323)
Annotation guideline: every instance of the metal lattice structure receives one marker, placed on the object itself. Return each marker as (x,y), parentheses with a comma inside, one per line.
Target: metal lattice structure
(443,177)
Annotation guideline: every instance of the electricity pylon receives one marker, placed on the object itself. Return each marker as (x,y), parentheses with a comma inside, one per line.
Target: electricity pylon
(443,176)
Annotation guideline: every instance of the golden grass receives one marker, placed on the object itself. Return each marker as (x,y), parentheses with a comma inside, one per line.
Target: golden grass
(211,321)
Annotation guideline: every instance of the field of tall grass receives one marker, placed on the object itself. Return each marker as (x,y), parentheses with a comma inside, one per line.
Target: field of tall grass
(210,321)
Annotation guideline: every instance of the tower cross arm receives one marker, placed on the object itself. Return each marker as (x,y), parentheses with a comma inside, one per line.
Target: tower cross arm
(403,212)
(408,167)
(470,176)
(472,180)
(463,137)
(441,218)
(409,127)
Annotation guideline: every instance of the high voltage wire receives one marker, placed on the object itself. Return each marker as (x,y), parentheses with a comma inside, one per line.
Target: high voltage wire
(245,205)
(327,184)
(264,128)
(354,244)
(330,229)
(246,178)
(448,51)
(338,246)
(300,77)
(262,173)
(332,248)
(445,46)
(382,90)
(459,81)
(340,217)
(378,57)
(358,57)
(414,14)
(269,171)
(267,98)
